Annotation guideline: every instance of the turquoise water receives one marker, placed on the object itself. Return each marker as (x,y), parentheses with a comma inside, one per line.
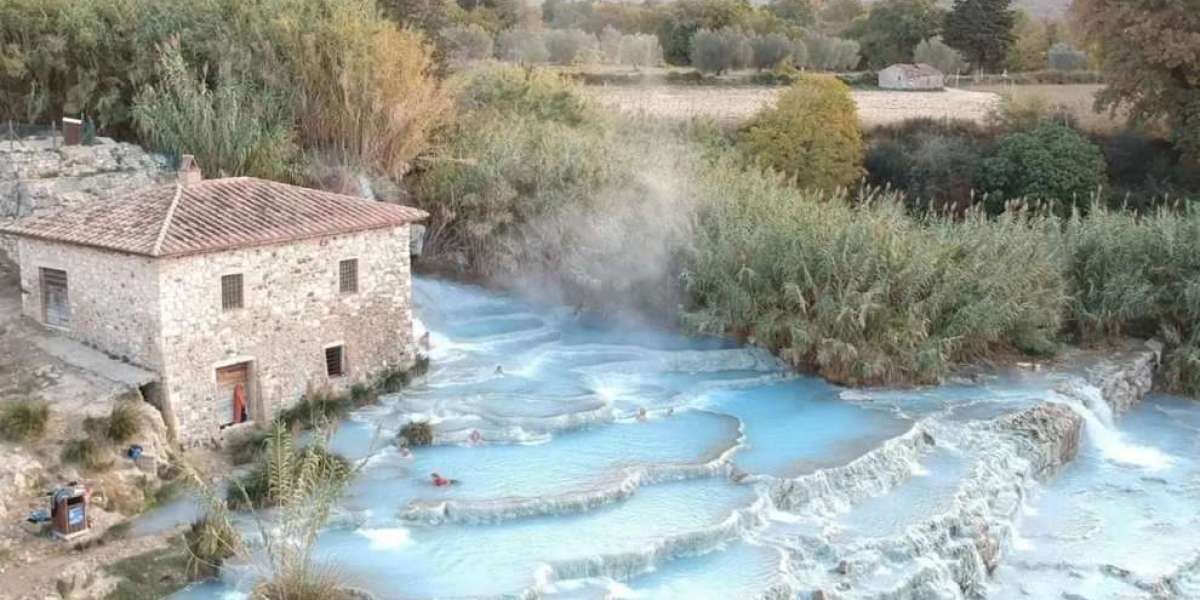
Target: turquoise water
(601,459)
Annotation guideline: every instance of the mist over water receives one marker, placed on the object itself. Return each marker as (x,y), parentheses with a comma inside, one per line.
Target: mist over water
(623,461)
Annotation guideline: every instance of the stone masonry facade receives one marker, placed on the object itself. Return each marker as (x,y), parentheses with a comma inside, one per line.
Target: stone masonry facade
(292,311)
(165,314)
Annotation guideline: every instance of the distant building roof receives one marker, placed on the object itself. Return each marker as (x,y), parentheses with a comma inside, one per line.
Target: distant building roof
(916,70)
(213,215)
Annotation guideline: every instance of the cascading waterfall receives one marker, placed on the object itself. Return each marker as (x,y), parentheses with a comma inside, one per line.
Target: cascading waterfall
(602,460)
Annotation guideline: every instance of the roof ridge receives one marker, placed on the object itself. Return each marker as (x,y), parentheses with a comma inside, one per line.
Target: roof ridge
(166,224)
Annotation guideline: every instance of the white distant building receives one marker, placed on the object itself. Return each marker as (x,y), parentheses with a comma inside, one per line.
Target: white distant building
(911,77)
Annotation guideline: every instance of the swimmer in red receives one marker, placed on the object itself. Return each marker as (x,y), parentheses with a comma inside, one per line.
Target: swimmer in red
(439,481)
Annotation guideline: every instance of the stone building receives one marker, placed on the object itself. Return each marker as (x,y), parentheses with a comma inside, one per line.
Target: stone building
(242,294)
(911,77)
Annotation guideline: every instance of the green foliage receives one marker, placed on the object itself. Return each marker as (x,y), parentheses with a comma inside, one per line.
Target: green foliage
(685,17)
(417,433)
(86,452)
(1139,276)
(1148,53)
(316,408)
(568,46)
(893,28)
(773,50)
(1064,57)
(462,44)
(23,420)
(232,130)
(837,15)
(800,13)
(537,94)
(982,30)
(209,541)
(522,47)
(639,50)
(943,57)
(157,573)
(863,294)
(286,473)
(934,163)
(826,53)
(1050,162)
(719,51)
(122,423)
(811,134)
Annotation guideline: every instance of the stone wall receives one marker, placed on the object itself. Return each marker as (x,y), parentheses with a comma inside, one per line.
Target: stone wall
(292,311)
(113,297)
(40,176)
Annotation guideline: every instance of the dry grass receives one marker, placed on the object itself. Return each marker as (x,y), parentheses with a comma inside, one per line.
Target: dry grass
(1076,99)
(736,104)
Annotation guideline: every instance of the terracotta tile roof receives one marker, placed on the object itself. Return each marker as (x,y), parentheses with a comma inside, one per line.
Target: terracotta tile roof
(213,215)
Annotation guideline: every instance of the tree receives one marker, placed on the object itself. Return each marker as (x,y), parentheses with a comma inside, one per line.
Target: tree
(825,53)
(639,50)
(522,47)
(1064,57)
(1149,52)
(721,50)
(465,43)
(770,50)
(686,17)
(1050,162)
(795,12)
(1032,44)
(943,57)
(893,28)
(811,134)
(982,30)
(837,15)
(566,46)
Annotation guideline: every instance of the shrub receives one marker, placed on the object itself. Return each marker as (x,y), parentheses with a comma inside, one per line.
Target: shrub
(232,129)
(568,46)
(123,422)
(417,433)
(811,134)
(466,43)
(85,452)
(522,47)
(1063,57)
(24,420)
(209,542)
(285,472)
(1051,162)
(246,447)
(942,57)
(863,294)
(365,87)
(316,408)
(771,50)
(719,51)
(1138,275)
(538,94)
(934,162)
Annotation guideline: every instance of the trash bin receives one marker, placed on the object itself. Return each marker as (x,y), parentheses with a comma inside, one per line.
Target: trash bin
(69,512)
(72,131)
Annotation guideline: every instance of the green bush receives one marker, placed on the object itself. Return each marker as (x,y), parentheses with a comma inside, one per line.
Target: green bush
(232,128)
(417,433)
(811,134)
(24,420)
(860,292)
(537,94)
(285,472)
(209,541)
(123,422)
(720,50)
(316,408)
(1051,162)
(87,453)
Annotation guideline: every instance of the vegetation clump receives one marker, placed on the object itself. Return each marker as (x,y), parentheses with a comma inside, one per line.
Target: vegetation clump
(1052,161)
(24,420)
(285,471)
(209,541)
(417,433)
(86,452)
(811,135)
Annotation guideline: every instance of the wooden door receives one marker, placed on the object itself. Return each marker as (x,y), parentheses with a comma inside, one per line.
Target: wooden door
(56,306)
(228,380)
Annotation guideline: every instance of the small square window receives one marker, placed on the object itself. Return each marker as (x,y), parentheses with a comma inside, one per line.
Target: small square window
(335,361)
(231,291)
(348,276)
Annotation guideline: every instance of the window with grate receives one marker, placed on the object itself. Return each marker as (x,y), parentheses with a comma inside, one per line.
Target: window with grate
(335,361)
(231,291)
(348,276)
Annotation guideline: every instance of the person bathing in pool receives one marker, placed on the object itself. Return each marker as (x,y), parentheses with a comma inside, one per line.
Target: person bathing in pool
(439,481)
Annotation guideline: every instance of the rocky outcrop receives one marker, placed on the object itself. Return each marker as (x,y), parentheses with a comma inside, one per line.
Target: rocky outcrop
(41,176)
(1052,429)
(20,474)
(1123,375)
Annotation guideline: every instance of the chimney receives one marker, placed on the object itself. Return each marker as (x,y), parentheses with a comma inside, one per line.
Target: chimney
(189,170)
